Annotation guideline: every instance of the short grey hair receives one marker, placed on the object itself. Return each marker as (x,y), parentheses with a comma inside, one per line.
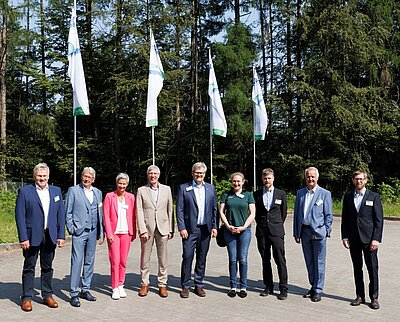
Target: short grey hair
(41,166)
(90,170)
(311,169)
(153,167)
(122,175)
(199,165)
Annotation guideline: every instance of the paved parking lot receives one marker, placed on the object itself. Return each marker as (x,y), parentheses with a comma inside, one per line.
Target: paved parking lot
(216,306)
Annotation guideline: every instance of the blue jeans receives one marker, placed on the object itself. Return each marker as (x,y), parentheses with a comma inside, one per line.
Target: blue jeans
(238,249)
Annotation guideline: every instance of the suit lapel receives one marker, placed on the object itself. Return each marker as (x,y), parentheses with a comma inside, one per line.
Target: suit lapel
(34,193)
(149,195)
(366,195)
(82,192)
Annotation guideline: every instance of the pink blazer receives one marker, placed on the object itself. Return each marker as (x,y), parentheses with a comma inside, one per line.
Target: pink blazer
(111,213)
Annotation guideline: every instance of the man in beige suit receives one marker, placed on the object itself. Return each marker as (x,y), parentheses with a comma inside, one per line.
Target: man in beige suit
(154,213)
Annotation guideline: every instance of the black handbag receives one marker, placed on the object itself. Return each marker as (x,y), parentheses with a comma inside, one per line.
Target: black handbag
(221,236)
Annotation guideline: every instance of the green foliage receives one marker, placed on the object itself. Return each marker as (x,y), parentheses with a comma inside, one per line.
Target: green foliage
(8,228)
(221,186)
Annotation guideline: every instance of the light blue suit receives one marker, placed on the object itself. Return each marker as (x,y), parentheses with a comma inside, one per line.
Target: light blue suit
(84,235)
(313,236)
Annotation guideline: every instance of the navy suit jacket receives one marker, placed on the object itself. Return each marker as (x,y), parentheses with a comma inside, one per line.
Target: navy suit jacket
(368,223)
(29,215)
(78,209)
(320,212)
(187,210)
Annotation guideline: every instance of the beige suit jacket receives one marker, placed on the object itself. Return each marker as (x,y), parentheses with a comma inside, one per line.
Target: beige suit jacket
(151,216)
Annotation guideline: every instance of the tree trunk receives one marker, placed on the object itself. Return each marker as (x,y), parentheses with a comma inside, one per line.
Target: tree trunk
(43,56)
(3,107)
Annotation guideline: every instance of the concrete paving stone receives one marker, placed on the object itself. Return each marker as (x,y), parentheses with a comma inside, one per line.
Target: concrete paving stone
(216,306)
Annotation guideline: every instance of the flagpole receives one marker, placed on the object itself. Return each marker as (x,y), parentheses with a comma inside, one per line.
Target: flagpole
(211,150)
(152,145)
(74,150)
(254,154)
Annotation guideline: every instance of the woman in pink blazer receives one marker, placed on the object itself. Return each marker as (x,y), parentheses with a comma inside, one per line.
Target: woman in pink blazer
(120,227)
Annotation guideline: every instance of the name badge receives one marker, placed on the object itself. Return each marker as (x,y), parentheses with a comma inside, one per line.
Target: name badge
(319,202)
(100,204)
(241,196)
(124,206)
(369,203)
(278,201)
(230,197)
(56,198)
(189,188)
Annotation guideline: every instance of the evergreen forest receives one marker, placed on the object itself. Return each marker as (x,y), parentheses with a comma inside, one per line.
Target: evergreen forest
(330,73)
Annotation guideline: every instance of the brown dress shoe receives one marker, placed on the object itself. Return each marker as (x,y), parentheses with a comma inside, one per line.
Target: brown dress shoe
(199,291)
(184,293)
(26,305)
(50,302)
(163,292)
(144,289)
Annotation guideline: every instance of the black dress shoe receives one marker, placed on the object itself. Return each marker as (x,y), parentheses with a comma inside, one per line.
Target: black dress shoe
(374,304)
(232,293)
(87,296)
(267,291)
(357,301)
(242,294)
(310,294)
(282,295)
(75,301)
(316,297)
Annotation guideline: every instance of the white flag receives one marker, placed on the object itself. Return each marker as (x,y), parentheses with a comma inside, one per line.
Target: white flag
(156,79)
(218,122)
(260,113)
(75,69)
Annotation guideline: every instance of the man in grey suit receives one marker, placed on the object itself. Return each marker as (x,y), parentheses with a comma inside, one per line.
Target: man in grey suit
(84,219)
(312,224)
(196,213)
(155,217)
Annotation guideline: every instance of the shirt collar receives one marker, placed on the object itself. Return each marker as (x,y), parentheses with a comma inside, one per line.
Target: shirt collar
(362,192)
(195,185)
(313,189)
(151,187)
(270,189)
(45,188)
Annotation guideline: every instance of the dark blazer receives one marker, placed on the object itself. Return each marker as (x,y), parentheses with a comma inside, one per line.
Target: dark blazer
(368,222)
(187,210)
(273,219)
(29,215)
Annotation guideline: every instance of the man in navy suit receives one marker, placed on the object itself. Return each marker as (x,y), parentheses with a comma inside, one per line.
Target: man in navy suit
(362,227)
(196,213)
(271,212)
(40,217)
(311,226)
(84,220)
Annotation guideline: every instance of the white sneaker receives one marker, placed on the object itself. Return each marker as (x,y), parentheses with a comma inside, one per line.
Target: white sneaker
(115,294)
(121,290)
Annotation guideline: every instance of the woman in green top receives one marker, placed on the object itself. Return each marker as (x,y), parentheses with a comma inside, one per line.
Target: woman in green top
(237,211)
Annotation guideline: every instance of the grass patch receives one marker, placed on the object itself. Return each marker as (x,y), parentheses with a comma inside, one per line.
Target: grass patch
(8,228)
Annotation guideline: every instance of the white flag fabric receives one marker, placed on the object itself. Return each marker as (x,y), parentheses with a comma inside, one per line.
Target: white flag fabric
(217,116)
(156,79)
(260,113)
(75,70)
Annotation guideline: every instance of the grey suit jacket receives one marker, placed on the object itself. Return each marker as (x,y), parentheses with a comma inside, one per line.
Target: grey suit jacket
(151,216)
(77,210)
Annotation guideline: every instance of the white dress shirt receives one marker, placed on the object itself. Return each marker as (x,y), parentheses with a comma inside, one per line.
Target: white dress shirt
(44,196)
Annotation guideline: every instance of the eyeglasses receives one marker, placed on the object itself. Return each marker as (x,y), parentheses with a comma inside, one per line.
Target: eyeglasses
(199,173)
(359,179)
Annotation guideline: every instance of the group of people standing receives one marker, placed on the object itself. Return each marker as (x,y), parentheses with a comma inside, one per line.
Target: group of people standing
(41,219)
